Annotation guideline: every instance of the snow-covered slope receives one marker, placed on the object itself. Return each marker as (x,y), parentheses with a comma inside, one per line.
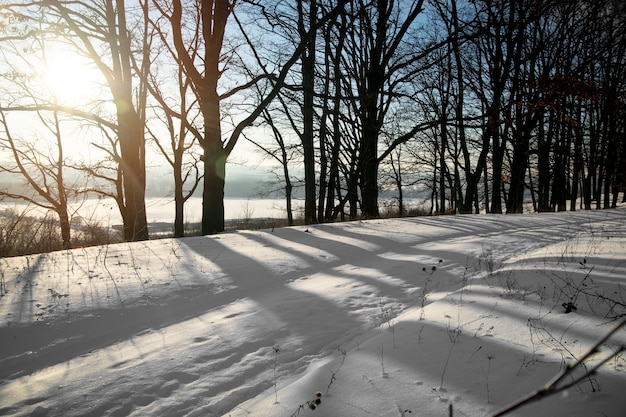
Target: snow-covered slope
(397,317)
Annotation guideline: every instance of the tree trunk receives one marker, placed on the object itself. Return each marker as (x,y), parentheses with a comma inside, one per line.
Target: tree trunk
(333,174)
(544,141)
(130,126)
(369,95)
(214,172)
(577,164)
(521,152)
(369,178)
(308,91)
(64,223)
(179,204)
(497,161)
(515,202)
(288,197)
(213,194)
(132,165)
(442,166)
(337,77)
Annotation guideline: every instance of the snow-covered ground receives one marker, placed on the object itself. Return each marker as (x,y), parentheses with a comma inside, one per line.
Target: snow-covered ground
(403,317)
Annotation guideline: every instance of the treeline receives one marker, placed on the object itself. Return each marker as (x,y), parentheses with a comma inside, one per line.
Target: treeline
(486,104)
(483,105)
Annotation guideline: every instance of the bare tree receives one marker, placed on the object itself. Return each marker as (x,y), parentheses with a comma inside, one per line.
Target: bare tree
(92,28)
(331,135)
(176,113)
(205,74)
(36,156)
(179,150)
(283,154)
(43,172)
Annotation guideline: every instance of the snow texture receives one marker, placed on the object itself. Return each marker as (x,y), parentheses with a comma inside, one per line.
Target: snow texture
(394,317)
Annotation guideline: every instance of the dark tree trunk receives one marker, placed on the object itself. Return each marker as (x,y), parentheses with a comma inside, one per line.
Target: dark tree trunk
(179,204)
(332,191)
(369,96)
(179,220)
(578,162)
(368,151)
(288,196)
(133,170)
(64,224)
(497,157)
(544,179)
(214,175)
(442,175)
(213,17)
(369,178)
(515,202)
(308,91)
(213,194)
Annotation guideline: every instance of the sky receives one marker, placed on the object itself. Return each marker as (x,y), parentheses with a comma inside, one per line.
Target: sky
(390,317)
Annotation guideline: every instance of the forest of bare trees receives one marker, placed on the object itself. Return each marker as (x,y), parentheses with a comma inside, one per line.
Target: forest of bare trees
(475,105)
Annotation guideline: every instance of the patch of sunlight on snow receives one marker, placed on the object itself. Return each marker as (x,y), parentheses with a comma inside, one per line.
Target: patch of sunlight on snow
(469,245)
(412,257)
(434,296)
(339,238)
(394,230)
(369,273)
(308,251)
(576,249)
(275,260)
(334,288)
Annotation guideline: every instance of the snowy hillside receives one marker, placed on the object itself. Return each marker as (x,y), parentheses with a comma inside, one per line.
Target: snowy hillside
(399,317)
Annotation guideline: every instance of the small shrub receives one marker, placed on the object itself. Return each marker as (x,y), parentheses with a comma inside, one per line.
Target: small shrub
(27,235)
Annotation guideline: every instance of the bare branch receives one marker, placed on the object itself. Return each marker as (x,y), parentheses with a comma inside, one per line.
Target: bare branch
(555,385)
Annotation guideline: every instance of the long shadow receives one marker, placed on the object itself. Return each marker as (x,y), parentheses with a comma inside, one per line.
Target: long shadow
(396,269)
(93,333)
(27,349)
(468,223)
(311,319)
(541,310)
(333,253)
(479,227)
(21,294)
(405,275)
(234,264)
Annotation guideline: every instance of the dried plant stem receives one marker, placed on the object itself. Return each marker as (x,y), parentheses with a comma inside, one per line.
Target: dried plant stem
(556,385)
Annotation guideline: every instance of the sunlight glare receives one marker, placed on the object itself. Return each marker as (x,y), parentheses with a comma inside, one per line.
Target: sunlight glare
(70,80)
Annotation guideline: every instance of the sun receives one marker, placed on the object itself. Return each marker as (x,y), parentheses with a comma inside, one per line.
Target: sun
(70,79)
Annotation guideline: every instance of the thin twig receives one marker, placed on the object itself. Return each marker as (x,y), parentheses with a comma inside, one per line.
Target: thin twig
(553,386)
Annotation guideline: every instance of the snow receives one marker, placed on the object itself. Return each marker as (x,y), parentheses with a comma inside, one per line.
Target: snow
(394,317)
